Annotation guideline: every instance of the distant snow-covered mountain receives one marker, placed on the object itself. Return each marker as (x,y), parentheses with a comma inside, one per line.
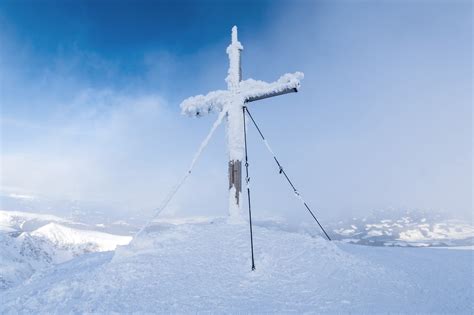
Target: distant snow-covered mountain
(18,221)
(410,228)
(107,218)
(30,242)
(70,239)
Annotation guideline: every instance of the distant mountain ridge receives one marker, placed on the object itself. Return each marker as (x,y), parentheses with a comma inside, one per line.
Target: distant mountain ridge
(410,228)
(30,242)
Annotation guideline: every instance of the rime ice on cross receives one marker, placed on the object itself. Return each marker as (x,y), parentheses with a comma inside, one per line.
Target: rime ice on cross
(232,101)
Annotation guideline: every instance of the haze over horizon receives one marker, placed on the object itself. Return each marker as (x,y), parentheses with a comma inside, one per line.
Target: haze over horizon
(90,110)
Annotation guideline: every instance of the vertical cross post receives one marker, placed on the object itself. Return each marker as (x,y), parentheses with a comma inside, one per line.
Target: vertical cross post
(235,125)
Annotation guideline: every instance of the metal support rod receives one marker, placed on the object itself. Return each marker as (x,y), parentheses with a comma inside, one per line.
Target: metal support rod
(282,171)
(247,179)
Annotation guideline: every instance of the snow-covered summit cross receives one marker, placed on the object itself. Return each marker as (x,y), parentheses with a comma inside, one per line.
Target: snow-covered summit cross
(231,102)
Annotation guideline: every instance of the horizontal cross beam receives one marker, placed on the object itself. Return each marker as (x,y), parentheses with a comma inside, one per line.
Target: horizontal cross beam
(271,94)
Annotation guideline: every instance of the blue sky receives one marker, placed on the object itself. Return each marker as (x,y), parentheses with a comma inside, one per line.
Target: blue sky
(91,92)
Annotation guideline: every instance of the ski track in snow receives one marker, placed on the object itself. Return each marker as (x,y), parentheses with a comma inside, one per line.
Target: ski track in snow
(205,267)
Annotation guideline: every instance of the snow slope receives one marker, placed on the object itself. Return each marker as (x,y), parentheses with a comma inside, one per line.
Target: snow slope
(205,267)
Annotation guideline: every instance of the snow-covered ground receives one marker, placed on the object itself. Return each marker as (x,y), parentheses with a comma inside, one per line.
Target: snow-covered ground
(205,267)
(51,264)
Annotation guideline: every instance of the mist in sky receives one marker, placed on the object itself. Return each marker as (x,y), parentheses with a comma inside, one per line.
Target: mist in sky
(90,97)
